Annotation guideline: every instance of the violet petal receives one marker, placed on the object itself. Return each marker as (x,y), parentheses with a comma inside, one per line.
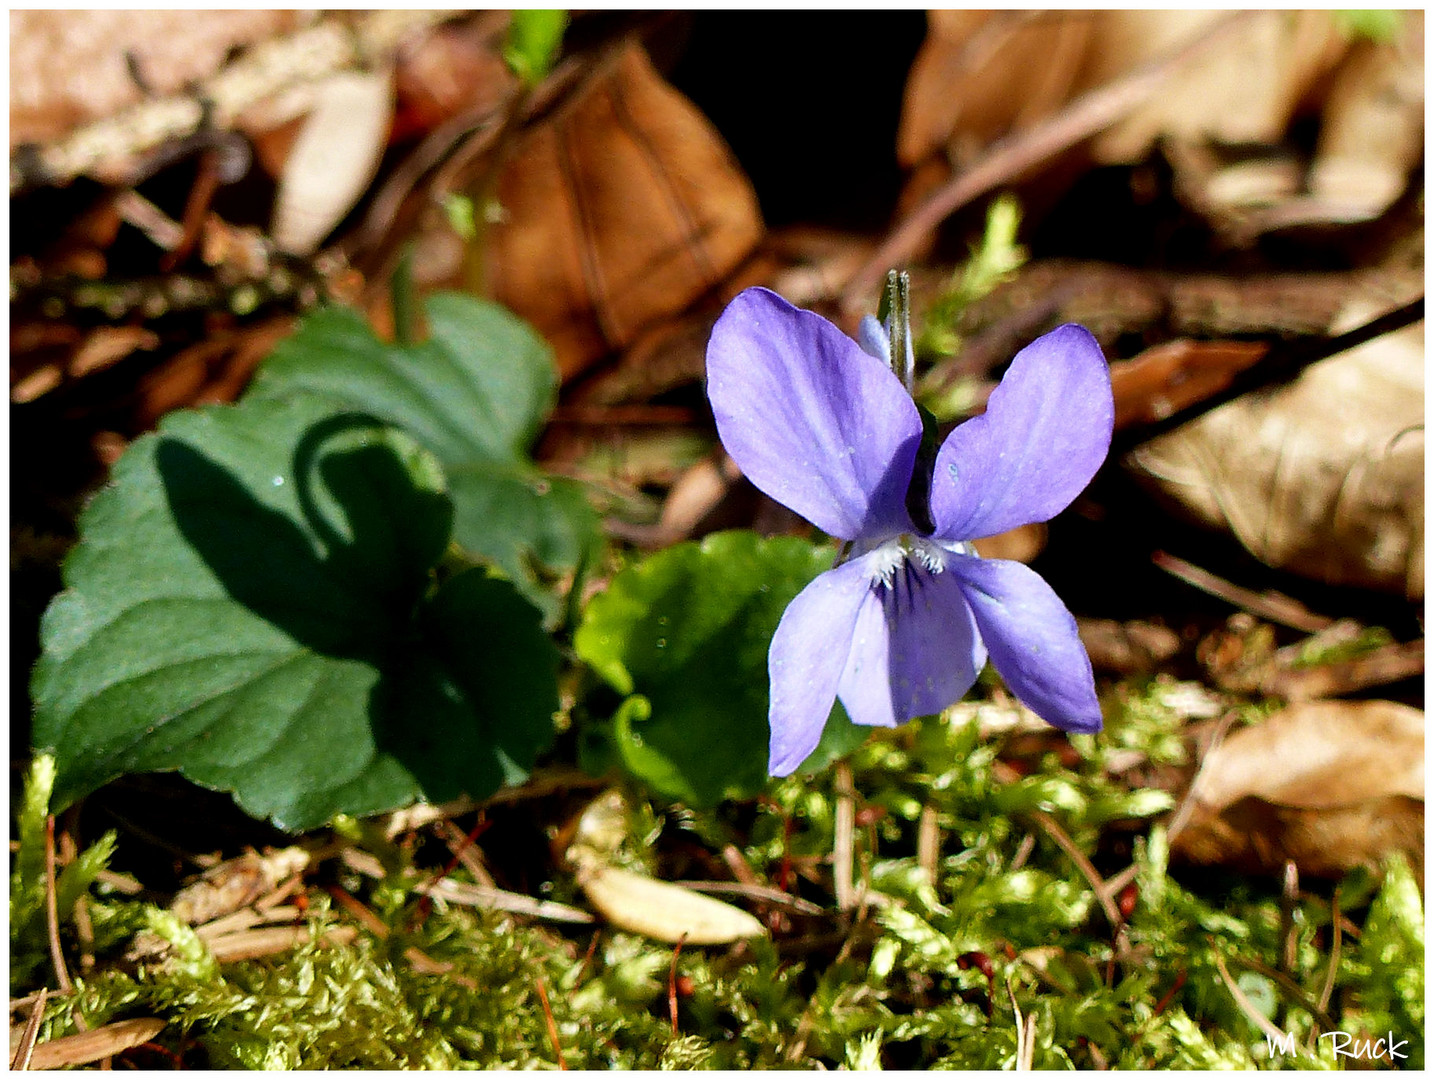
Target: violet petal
(805,662)
(1032,639)
(915,647)
(1044,434)
(813,421)
(871,336)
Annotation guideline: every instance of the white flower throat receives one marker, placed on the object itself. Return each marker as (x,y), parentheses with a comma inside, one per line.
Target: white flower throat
(895,555)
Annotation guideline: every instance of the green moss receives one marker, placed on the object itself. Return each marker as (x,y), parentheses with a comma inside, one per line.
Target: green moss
(900,984)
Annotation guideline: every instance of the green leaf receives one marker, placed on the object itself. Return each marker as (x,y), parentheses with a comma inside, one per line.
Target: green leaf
(1379,25)
(252,603)
(478,389)
(685,634)
(533,41)
(475,394)
(458,209)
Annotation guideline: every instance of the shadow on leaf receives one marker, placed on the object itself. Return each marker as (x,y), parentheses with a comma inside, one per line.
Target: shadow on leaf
(338,552)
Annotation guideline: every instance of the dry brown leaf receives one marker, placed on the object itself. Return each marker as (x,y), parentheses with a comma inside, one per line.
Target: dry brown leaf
(1324,477)
(982,75)
(333,158)
(1373,130)
(1246,91)
(976,79)
(1021,544)
(1175,375)
(1330,785)
(1126,647)
(618,214)
(455,70)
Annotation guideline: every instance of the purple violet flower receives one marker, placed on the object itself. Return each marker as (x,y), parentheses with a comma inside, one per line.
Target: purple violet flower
(902,626)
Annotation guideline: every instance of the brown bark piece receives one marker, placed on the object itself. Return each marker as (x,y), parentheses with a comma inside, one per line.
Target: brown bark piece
(69,67)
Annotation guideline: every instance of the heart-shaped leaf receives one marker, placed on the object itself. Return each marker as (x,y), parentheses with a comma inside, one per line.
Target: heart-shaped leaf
(685,633)
(475,394)
(252,603)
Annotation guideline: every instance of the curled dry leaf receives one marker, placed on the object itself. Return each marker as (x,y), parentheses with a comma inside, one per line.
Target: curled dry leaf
(637,902)
(662,911)
(1329,784)
(1325,476)
(617,214)
(333,159)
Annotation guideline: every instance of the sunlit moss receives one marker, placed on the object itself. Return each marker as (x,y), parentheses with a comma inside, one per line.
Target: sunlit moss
(903,986)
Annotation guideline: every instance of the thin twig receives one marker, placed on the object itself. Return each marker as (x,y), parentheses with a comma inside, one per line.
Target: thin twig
(481,896)
(1379,667)
(360,911)
(1013,156)
(1288,984)
(1335,945)
(672,985)
(1181,817)
(843,844)
(1116,882)
(1246,1006)
(763,893)
(1273,606)
(552,1024)
(928,843)
(52,915)
(85,933)
(1052,828)
(20,1062)
(1023,852)
(1289,901)
(162,230)
(741,869)
(1169,995)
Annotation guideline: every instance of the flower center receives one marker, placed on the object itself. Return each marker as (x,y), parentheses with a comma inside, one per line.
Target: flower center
(897,554)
